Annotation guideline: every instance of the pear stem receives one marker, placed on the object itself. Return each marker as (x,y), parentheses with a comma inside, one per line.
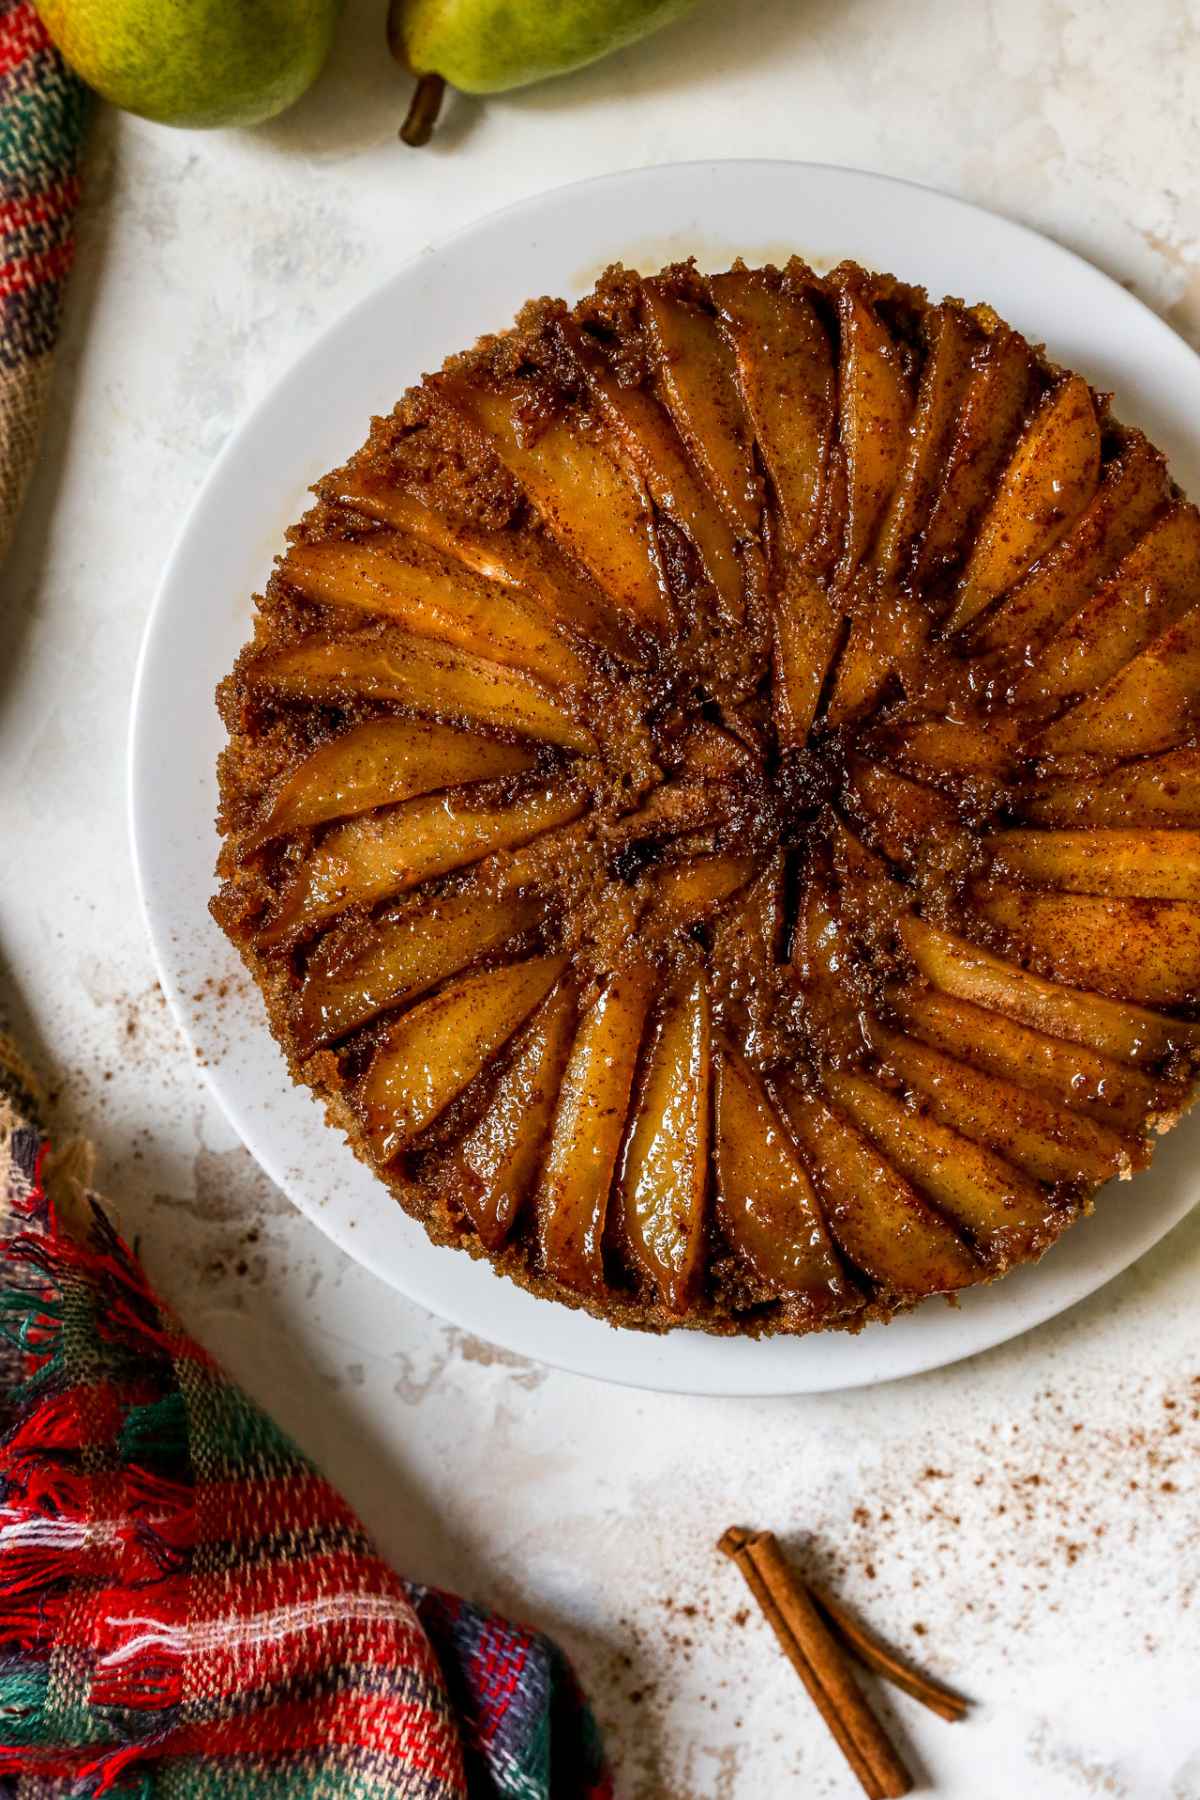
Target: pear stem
(422,114)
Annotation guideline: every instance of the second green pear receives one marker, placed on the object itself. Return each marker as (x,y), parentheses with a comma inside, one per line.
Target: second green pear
(487,46)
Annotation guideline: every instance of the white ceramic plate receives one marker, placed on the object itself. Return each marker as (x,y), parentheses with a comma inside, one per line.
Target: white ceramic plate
(314,417)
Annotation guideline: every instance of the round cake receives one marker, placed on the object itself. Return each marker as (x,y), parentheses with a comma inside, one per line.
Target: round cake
(712,801)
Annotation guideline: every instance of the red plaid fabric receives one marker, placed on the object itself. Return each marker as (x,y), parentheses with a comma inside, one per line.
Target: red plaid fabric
(42,109)
(187,1608)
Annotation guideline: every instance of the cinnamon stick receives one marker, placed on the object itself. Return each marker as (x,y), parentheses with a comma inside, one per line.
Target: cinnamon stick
(883,1661)
(818,1659)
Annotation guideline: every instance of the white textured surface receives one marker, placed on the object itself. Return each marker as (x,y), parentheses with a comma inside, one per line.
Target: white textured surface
(1027,1522)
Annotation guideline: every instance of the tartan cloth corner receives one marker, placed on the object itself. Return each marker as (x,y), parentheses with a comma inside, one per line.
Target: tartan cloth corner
(42,112)
(188,1610)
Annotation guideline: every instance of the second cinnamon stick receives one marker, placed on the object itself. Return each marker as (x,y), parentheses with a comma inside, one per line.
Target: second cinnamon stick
(876,1655)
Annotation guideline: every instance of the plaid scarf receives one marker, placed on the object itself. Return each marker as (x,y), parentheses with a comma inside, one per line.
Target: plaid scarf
(42,110)
(187,1608)
(188,1611)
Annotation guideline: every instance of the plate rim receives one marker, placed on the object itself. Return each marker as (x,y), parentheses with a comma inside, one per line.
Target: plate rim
(746,1386)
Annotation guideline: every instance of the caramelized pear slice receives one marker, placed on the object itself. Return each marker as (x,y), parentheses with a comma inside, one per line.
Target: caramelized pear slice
(964,749)
(711,752)
(669,811)
(492,1171)
(1133,488)
(651,441)
(370,858)
(400,957)
(747,939)
(885,1227)
(765,1200)
(1142,950)
(516,556)
(1154,586)
(1009,1215)
(963,970)
(1051,478)
(380,763)
(786,373)
(1153,865)
(996,399)
(1024,1128)
(688,890)
(665,1176)
(827,974)
(589,1124)
(429,678)
(939,401)
(699,383)
(874,409)
(870,899)
(1070,1074)
(595,506)
(1161,791)
(1148,706)
(807,630)
(889,638)
(432,600)
(905,817)
(433,1051)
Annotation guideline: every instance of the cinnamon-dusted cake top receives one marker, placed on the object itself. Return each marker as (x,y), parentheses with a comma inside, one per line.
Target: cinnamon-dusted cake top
(712,798)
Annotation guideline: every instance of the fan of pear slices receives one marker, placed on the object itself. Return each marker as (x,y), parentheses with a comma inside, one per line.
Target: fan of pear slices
(713,799)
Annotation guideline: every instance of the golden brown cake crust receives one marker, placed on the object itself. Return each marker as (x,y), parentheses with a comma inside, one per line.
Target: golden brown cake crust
(712,801)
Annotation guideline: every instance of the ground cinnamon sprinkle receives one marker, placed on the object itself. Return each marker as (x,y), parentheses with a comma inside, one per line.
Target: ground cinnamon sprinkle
(969,1598)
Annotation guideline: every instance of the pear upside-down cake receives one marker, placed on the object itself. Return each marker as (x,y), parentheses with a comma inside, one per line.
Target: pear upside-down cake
(713,800)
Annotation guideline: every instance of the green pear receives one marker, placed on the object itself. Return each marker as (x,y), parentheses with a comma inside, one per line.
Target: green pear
(489,46)
(195,62)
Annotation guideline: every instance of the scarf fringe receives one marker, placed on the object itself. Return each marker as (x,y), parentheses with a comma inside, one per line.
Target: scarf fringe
(128,1526)
(127,1315)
